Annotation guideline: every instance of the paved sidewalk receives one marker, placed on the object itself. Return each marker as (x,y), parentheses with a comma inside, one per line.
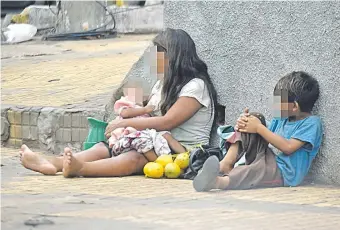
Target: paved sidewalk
(140,203)
(64,73)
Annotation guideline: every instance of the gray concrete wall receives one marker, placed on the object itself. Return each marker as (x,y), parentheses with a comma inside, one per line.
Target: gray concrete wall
(248,46)
(135,19)
(129,19)
(78,16)
(43,17)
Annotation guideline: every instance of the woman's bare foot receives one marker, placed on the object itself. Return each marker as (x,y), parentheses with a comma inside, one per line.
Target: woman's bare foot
(71,166)
(35,162)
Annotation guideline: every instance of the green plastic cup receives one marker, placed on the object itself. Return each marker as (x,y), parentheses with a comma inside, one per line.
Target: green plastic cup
(96,132)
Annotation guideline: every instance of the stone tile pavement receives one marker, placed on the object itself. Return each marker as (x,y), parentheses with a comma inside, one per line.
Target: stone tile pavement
(63,73)
(140,203)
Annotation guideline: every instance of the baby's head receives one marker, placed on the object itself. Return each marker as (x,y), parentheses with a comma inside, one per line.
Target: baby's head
(134,91)
(294,94)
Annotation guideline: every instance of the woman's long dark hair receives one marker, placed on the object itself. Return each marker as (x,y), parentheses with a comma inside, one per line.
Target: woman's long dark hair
(184,65)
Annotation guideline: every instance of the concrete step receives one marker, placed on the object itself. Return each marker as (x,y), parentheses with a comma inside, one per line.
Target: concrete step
(47,128)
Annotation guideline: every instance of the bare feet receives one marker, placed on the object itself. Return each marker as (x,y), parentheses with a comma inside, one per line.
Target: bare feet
(71,166)
(35,162)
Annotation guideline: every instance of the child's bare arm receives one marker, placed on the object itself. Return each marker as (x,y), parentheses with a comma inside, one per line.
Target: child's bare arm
(252,124)
(134,112)
(286,146)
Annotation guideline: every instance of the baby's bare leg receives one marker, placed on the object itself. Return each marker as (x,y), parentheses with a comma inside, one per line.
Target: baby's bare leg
(151,155)
(174,144)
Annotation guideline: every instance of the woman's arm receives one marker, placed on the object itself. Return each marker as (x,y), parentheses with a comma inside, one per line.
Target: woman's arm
(180,112)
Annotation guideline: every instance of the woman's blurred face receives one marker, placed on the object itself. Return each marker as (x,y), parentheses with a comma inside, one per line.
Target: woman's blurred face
(162,65)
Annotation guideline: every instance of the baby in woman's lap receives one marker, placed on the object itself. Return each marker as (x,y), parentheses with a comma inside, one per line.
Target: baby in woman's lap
(131,106)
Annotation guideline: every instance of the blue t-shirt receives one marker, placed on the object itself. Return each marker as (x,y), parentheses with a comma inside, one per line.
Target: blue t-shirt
(295,166)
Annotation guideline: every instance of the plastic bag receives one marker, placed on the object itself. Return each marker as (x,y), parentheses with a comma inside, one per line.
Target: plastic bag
(15,33)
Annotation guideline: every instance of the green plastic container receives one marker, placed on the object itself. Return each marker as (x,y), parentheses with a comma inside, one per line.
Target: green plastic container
(96,132)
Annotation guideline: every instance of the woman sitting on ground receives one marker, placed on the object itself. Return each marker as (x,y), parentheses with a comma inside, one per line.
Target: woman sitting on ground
(187,100)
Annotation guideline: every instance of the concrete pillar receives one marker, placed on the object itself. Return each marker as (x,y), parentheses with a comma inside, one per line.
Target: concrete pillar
(78,16)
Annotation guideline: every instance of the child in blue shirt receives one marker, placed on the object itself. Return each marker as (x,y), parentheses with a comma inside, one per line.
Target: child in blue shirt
(279,155)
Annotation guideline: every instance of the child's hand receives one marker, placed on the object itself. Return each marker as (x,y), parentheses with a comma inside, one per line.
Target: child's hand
(248,124)
(241,122)
(243,118)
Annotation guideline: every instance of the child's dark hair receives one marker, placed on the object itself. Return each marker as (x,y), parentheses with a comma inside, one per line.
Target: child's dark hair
(301,88)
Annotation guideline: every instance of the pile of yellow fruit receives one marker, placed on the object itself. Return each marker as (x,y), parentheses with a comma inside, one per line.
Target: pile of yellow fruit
(165,165)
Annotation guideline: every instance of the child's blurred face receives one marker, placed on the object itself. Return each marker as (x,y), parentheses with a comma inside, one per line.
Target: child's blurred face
(282,108)
(134,94)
